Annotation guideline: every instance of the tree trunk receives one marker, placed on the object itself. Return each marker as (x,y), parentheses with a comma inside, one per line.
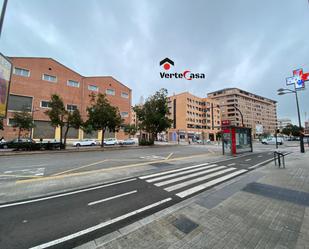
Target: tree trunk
(65,136)
(61,128)
(102,138)
(19,132)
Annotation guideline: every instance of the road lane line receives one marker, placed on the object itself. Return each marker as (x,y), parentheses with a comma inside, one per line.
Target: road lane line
(111,198)
(99,226)
(64,194)
(172,171)
(181,173)
(209,184)
(169,156)
(81,167)
(231,164)
(196,180)
(260,156)
(259,164)
(247,160)
(22,176)
(188,176)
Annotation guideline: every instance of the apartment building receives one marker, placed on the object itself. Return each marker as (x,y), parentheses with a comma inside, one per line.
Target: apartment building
(283,122)
(33,82)
(254,111)
(194,118)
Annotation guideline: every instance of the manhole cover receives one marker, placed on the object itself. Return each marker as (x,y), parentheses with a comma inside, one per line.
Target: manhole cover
(185,225)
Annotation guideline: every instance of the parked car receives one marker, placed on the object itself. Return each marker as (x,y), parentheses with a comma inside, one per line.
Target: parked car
(85,142)
(272,140)
(21,143)
(111,141)
(128,141)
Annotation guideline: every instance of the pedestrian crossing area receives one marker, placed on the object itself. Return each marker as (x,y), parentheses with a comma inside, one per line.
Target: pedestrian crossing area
(189,180)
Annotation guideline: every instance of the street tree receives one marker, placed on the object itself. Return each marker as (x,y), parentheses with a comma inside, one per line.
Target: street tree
(1,124)
(292,130)
(74,120)
(153,115)
(23,121)
(130,129)
(59,116)
(102,115)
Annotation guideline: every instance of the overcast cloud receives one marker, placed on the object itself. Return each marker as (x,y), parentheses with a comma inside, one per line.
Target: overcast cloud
(253,45)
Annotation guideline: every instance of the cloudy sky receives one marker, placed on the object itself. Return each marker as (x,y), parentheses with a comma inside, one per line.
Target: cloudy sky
(253,45)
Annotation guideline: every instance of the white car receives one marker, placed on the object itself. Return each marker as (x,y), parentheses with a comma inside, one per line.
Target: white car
(111,141)
(272,140)
(85,142)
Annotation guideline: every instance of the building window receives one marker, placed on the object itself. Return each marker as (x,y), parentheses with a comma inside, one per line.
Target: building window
(110,91)
(73,83)
(11,122)
(93,88)
(124,95)
(50,78)
(19,103)
(45,104)
(21,72)
(71,108)
(124,114)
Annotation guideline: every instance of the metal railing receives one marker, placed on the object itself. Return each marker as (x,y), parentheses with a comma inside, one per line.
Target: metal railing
(279,156)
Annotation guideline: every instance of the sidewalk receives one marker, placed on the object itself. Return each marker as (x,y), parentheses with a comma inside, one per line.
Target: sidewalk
(266,208)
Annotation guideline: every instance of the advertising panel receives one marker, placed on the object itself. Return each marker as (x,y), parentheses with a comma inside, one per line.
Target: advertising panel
(5,76)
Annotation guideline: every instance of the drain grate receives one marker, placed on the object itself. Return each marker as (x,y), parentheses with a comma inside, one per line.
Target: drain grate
(283,194)
(185,225)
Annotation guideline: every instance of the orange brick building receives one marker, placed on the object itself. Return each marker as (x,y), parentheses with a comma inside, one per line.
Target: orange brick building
(33,82)
(193,118)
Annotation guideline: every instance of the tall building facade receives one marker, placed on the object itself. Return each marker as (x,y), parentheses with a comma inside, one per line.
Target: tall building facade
(194,118)
(283,122)
(33,82)
(257,111)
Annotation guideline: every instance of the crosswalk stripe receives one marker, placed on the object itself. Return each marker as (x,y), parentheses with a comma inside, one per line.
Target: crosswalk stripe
(180,173)
(172,171)
(188,176)
(196,180)
(209,184)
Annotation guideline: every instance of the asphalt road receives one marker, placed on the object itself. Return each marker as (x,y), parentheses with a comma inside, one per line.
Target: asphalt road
(28,166)
(70,219)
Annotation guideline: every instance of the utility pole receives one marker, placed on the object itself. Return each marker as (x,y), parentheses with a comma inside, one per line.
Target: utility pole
(2,15)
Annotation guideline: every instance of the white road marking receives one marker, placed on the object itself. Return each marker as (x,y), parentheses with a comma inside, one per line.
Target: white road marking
(33,171)
(188,176)
(180,173)
(172,171)
(111,198)
(209,184)
(99,226)
(260,156)
(65,194)
(247,160)
(231,164)
(259,164)
(196,180)
(152,157)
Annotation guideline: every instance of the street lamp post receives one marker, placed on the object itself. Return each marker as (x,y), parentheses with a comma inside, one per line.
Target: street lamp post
(283,91)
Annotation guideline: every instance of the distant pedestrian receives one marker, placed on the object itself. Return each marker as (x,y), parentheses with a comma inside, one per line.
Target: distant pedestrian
(1,139)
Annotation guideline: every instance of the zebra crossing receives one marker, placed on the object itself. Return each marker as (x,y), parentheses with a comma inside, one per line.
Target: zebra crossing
(189,180)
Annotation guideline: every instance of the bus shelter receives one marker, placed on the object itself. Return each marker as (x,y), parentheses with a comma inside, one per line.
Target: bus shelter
(236,140)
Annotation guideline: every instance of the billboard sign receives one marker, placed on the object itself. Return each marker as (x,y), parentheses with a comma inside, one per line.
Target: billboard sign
(5,76)
(298,79)
(258,129)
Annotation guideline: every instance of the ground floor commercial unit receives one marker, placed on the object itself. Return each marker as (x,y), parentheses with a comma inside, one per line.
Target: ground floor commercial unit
(44,130)
(189,135)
